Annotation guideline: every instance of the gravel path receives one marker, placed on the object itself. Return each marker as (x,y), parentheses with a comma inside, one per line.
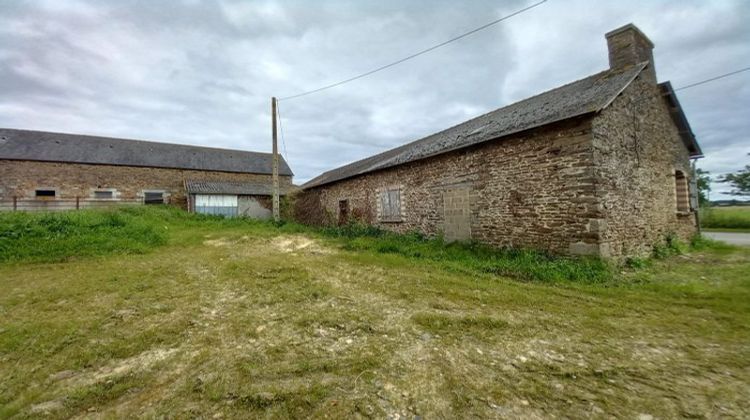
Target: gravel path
(734,238)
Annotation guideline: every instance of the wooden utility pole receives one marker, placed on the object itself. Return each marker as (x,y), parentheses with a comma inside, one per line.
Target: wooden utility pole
(275,164)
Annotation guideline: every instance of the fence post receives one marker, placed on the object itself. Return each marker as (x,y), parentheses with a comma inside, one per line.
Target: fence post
(15,203)
(78,206)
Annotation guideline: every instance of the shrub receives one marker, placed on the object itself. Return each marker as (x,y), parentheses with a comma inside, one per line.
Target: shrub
(670,247)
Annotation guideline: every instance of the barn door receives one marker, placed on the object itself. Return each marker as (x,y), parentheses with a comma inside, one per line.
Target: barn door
(224,205)
(456,214)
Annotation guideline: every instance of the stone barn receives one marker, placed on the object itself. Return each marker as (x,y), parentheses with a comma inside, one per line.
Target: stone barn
(600,166)
(55,171)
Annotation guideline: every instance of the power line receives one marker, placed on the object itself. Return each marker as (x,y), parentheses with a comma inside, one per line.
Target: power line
(692,85)
(416,54)
(281,129)
(702,82)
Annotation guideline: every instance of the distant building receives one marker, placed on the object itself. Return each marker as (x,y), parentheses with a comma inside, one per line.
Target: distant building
(600,166)
(51,171)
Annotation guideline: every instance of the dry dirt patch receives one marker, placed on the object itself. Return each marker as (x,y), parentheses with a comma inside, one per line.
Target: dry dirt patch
(299,244)
(140,362)
(289,244)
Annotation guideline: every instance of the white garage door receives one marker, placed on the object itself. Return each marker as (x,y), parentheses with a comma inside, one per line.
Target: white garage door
(225,205)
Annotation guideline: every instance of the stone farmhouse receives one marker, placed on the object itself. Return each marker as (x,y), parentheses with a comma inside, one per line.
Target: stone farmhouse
(600,166)
(54,171)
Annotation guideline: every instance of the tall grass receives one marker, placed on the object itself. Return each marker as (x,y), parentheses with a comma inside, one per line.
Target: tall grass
(52,237)
(472,256)
(726,217)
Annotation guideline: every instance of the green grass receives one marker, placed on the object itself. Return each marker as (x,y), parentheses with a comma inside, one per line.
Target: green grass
(475,257)
(726,217)
(246,319)
(57,236)
(54,237)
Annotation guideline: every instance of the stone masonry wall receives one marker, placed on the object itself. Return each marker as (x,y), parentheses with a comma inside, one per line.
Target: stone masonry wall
(533,190)
(22,178)
(637,150)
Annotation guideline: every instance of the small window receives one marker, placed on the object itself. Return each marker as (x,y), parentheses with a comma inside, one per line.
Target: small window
(153,197)
(46,193)
(390,205)
(103,195)
(682,192)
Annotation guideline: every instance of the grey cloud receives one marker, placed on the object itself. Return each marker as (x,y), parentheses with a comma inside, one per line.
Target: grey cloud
(203,72)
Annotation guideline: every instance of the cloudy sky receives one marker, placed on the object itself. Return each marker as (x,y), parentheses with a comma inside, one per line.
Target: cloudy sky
(202,72)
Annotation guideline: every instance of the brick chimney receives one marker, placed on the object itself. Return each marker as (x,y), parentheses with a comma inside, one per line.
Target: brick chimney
(629,46)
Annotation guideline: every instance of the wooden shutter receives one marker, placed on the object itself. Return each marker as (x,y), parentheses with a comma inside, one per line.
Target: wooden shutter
(390,204)
(395,202)
(385,207)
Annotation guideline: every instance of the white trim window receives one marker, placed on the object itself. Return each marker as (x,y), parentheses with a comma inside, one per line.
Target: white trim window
(154,197)
(104,194)
(46,193)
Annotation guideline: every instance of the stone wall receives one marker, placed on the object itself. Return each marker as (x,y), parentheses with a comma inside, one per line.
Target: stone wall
(71,180)
(533,190)
(637,150)
(599,185)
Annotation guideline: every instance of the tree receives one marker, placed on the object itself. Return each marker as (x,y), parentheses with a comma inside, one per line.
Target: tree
(703,179)
(739,180)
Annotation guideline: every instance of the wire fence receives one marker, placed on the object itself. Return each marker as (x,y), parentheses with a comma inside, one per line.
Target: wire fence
(64,204)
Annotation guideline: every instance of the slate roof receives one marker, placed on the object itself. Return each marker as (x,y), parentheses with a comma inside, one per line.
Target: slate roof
(680,120)
(584,96)
(75,148)
(229,188)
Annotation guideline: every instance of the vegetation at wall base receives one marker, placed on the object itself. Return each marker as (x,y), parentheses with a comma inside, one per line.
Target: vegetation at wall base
(56,237)
(473,256)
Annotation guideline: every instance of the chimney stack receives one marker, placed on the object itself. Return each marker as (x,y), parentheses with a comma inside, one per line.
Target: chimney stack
(628,46)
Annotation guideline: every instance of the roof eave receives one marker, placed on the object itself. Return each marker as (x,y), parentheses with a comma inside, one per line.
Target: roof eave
(290,174)
(309,184)
(681,121)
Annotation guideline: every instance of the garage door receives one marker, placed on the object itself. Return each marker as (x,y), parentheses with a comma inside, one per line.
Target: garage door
(224,205)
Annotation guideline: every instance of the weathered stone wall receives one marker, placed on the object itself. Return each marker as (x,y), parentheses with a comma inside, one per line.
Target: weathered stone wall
(602,186)
(22,178)
(533,190)
(637,150)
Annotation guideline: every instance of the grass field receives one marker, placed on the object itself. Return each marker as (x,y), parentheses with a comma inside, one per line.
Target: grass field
(237,319)
(726,218)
